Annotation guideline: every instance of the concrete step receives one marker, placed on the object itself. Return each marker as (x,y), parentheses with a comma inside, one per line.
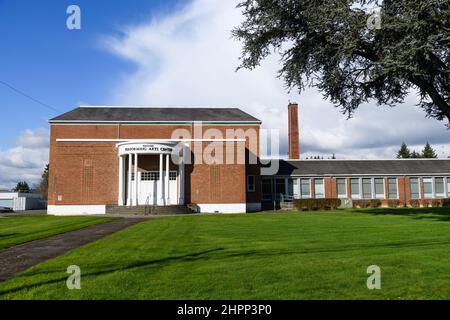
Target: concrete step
(148,210)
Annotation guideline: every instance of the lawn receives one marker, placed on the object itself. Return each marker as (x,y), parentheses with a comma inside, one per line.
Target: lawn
(319,255)
(19,229)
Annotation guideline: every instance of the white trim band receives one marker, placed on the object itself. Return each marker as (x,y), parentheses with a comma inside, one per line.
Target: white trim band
(76,210)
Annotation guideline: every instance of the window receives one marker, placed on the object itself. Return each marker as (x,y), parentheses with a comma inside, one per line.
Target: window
(318,188)
(305,188)
(367,188)
(448,187)
(266,189)
(296,188)
(290,185)
(150,176)
(173,175)
(428,187)
(392,188)
(379,188)
(341,186)
(439,187)
(414,188)
(250,183)
(280,188)
(354,188)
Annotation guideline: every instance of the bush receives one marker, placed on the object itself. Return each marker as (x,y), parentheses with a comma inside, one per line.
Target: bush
(316,204)
(393,203)
(415,203)
(369,203)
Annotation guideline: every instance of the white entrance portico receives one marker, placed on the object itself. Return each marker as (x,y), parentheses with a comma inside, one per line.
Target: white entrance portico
(148,174)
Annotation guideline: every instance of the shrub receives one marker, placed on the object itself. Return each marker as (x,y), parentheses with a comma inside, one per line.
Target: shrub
(414,203)
(369,203)
(393,203)
(446,202)
(316,204)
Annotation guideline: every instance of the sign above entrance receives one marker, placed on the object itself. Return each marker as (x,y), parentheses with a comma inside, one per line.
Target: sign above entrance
(146,148)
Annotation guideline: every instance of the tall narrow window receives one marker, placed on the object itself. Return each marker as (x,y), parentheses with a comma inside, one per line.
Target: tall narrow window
(428,188)
(414,188)
(251,183)
(439,187)
(318,188)
(341,187)
(280,188)
(296,188)
(354,188)
(266,189)
(379,188)
(305,186)
(290,186)
(392,188)
(448,187)
(367,188)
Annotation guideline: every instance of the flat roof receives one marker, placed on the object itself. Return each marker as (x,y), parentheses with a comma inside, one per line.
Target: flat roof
(105,114)
(364,167)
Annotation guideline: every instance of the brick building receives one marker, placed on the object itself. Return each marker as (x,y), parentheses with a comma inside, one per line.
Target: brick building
(102,158)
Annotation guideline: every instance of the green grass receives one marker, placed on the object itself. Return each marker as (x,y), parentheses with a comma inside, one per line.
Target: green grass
(15,230)
(320,255)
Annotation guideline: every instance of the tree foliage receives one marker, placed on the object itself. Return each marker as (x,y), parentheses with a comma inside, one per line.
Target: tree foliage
(22,187)
(403,152)
(428,152)
(328,44)
(43,184)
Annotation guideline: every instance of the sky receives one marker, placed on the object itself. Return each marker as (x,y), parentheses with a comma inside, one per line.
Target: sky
(166,53)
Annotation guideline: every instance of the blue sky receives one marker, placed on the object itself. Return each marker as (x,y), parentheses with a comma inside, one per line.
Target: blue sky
(57,66)
(167,53)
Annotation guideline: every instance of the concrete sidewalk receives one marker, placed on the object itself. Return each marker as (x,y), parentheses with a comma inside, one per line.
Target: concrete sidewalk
(21,257)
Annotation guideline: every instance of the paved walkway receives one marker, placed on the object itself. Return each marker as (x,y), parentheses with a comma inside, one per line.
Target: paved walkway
(21,257)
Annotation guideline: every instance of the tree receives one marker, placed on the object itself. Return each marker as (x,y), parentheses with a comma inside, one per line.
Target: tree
(22,187)
(428,152)
(43,184)
(330,45)
(415,155)
(403,152)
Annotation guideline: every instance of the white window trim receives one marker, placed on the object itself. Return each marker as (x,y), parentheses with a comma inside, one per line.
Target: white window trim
(323,186)
(444,181)
(432,188)
(397,196)
(346,189)
(300,188)
(383,195)
(420,188)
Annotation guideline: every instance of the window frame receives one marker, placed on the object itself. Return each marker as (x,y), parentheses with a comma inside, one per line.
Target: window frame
(418,187)
(253,189)
(323,188)
(345,188)
(396,188)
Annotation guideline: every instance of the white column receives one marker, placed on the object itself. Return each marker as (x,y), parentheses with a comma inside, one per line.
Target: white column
(129,180)
(136,180)
(167,180)
(121,162)
(160,182)
(181,175)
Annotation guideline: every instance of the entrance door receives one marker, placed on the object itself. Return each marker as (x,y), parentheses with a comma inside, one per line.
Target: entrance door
(148,187)
(173,187)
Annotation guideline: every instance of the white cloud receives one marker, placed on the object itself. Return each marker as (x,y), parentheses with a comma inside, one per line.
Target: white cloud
(189,59)
(26,160)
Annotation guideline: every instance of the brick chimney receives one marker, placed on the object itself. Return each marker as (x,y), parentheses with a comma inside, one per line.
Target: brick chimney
(294,138)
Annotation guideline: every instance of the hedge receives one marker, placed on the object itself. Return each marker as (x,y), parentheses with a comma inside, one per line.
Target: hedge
(316,204)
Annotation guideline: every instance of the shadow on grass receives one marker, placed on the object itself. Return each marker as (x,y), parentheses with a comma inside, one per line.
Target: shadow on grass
(215,253)
(111,269)
(440,214)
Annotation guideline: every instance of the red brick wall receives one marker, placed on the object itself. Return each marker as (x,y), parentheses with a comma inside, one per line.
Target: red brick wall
(87,172)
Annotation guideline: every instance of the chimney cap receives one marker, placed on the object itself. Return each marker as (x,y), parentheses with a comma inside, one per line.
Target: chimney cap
(293,103)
